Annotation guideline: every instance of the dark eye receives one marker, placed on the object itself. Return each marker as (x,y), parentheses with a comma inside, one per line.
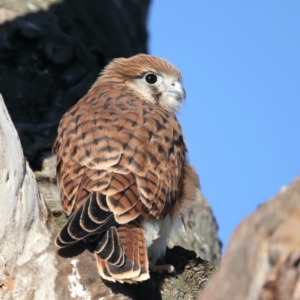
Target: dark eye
(151,78)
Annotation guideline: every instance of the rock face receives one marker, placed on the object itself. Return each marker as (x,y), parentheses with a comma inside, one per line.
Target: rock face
(24,259)
(201,233)
(263,257)
(50,58)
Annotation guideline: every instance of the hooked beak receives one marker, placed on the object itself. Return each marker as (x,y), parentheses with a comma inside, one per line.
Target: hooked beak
(178,90)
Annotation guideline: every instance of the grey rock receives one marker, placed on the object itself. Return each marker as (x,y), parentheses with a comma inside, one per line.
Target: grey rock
(24,235)
(263,255)
(201,233)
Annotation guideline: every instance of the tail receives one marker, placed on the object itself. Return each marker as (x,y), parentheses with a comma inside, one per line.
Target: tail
(122,255)
(120,250)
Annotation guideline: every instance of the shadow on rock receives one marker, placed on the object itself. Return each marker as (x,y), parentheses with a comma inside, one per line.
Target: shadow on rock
(192,274)
(50,58)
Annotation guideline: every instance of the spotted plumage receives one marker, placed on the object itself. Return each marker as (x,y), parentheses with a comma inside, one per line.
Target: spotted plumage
(121,163)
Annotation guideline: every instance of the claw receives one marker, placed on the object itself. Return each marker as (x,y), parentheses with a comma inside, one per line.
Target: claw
(160,268)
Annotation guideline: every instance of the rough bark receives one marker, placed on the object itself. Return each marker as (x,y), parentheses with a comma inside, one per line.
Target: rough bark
(263,257)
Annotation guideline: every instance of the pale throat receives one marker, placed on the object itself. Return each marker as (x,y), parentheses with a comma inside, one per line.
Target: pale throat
(157,96)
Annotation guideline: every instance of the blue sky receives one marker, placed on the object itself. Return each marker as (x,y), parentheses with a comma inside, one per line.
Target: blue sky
(241,67)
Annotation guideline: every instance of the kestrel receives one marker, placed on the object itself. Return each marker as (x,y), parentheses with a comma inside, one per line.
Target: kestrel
(121,167)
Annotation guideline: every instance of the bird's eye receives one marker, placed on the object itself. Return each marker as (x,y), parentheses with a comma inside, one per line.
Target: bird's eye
(151,78)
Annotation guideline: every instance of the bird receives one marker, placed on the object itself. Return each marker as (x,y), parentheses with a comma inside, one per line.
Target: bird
(122,169)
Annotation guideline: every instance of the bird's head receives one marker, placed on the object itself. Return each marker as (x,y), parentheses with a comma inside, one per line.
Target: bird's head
(150,78)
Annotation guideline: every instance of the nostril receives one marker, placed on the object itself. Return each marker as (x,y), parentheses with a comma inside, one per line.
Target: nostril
(173,83)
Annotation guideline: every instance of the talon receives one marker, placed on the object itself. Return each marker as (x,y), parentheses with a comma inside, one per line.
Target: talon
(170,269)
(160,268)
